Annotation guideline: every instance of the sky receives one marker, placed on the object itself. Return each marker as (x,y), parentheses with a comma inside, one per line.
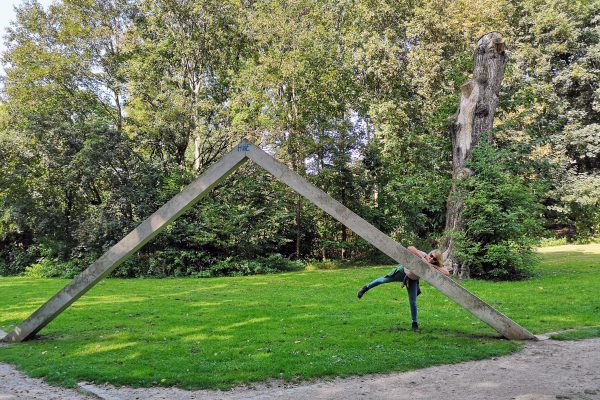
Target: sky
(7,14)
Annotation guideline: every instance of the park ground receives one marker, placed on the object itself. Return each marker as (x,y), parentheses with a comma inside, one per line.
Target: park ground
(297,327)
(545,370)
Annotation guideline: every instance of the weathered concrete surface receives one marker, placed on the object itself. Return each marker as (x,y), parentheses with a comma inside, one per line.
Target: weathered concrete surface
(505,326)
(137,238)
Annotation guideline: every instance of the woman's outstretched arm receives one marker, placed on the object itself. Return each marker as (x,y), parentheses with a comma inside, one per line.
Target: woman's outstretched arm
(416,251)
(443,270)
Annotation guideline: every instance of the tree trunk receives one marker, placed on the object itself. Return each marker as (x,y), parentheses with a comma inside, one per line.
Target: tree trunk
(478,102)
(197,154)
(298,225)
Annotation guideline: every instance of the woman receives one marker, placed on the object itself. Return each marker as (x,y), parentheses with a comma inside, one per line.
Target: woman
(410,280)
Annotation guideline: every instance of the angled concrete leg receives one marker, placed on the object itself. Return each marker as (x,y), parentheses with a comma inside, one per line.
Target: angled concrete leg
(486,313)
(137,238)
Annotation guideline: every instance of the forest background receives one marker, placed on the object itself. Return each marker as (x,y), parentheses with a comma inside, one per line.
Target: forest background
(110,107)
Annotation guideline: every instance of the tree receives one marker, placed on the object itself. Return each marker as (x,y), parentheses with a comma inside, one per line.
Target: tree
(501,212)
(551,103)
(63,102)
(479,99)
(181,57)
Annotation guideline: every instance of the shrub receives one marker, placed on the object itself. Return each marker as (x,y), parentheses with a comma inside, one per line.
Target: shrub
(53,268)
(169,263)
(162,263)
(15,259)
(503,216)
(263,265)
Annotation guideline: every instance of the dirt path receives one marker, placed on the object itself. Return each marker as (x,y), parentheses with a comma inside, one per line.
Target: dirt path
(542,371)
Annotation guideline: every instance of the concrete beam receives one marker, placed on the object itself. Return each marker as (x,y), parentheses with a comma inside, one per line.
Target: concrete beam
(486,313)
(137,238)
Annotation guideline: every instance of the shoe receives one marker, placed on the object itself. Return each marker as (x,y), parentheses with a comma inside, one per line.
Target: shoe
(362,291)
(415,327)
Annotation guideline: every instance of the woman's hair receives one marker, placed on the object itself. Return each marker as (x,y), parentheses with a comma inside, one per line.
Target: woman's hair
(437,254)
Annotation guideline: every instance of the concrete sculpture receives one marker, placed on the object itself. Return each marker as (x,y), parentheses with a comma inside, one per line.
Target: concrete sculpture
(154,224)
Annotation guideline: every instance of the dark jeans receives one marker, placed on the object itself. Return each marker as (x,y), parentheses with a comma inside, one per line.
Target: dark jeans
(412,288)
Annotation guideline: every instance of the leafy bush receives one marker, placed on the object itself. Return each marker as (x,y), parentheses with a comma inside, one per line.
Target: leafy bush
(48,268)
(14,260)
(502,216)
(169,263)
(263,265)
(165,262)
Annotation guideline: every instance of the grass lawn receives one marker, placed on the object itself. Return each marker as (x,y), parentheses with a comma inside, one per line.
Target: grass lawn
(221,332)
(578,334)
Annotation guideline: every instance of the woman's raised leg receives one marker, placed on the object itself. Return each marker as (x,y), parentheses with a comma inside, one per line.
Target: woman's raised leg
(376,282)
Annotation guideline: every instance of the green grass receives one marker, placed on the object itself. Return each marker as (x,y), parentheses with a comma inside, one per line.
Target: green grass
(578,334)
(221,332)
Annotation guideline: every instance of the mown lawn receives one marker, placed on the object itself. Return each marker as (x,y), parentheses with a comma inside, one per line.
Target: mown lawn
(221,332)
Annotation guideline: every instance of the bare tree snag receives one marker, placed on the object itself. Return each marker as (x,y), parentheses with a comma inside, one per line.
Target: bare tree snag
(478,102)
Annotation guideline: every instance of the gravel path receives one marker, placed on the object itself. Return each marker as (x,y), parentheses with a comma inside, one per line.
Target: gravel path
(543,370)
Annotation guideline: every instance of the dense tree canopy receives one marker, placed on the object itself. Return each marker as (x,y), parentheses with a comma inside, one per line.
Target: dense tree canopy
(110,107)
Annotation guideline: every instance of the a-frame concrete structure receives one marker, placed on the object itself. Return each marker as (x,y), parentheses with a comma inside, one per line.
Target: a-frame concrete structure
(154,224)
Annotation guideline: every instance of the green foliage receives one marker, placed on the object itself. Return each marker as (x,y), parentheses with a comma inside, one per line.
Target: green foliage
(14,260)
(502,212)
(243,219)
(551,97)
(53,269)
(179,61)
(110,107)
(264,265)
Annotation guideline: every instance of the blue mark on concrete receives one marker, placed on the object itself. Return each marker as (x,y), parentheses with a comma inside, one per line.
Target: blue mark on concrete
(243,147)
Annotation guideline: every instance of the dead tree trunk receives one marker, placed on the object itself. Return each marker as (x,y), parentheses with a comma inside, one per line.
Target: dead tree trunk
(478,102)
